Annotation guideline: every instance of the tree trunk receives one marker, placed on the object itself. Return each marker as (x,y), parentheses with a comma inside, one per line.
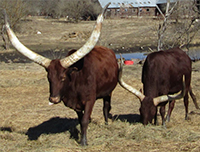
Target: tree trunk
(5,40)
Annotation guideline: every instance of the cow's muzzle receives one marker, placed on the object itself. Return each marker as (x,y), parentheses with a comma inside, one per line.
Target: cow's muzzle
(54,100)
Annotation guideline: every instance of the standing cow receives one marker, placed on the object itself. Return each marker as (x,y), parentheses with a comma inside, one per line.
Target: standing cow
(79,79)
(162,74)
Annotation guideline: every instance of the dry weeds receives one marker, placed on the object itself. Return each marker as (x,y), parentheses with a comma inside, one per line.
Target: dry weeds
(29,124)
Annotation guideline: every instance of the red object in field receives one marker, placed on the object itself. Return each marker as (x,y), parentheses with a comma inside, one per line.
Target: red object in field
(128,62)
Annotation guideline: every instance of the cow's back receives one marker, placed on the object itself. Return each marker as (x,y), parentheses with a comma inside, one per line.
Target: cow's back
(97,74)
(163,71)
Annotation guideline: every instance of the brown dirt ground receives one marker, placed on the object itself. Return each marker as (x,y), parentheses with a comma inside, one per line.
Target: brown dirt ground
(28,123)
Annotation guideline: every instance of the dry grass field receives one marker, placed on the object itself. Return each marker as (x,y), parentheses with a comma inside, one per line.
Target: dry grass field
(28,123)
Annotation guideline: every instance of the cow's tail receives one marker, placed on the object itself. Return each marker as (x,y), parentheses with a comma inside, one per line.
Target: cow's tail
(193,98)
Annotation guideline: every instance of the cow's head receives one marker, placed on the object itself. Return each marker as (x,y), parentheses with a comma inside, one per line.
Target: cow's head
(56,75)
(59,68)
(148,108)
(59,78)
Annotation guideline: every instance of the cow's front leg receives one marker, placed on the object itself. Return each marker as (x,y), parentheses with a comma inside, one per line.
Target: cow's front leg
(155,117)
(84,120)
(171,107)
(80,116)
(83,141)
(162,113)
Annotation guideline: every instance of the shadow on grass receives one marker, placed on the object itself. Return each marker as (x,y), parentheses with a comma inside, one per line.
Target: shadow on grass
(131,118)
(9,129)
(53,126)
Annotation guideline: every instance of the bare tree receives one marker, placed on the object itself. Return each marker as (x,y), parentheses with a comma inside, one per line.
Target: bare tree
(81,9)
(162,28)
(75,9)
(179,26)
(16,10)
(187,22)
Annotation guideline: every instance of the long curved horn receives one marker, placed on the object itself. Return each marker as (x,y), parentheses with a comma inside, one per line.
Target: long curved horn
(23,49)
(88,46)
(176,96)
(137,93)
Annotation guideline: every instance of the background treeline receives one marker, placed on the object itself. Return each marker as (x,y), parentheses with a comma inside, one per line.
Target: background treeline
(75,9)
(62,8)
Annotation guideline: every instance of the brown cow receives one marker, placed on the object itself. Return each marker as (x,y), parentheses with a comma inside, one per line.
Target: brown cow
(79,79)
(161,75)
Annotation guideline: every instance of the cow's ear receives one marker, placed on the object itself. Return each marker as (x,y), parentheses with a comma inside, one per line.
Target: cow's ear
(71,70)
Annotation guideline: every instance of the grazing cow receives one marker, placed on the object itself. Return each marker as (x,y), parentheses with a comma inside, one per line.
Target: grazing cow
(79,79)
(162,74)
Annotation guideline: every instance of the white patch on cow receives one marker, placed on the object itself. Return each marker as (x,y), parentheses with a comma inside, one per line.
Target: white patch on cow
(50,103)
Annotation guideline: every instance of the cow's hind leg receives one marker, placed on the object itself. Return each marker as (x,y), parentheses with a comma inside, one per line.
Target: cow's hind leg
(186,106)
(171,107)
(107,108)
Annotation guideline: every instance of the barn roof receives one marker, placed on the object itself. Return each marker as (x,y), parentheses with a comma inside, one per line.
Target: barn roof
(134,3)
